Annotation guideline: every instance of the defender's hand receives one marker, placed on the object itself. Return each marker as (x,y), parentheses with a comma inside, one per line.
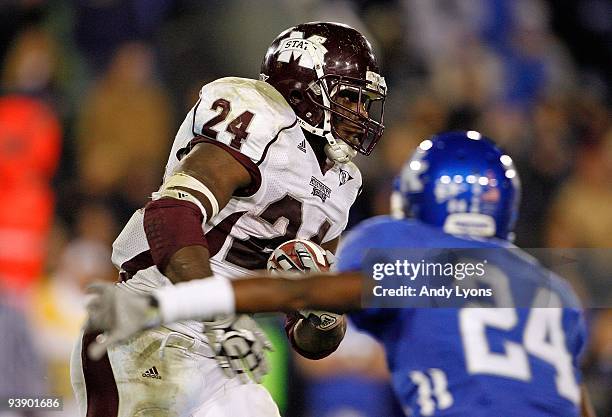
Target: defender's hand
(119,313)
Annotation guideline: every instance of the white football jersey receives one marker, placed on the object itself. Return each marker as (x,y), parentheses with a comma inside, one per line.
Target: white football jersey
(289,197)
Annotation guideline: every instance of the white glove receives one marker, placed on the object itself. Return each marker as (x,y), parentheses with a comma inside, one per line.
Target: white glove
(322,320)
(119,313)
(240,347)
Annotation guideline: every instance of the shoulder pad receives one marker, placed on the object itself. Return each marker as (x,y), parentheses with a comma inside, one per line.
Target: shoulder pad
(242,113)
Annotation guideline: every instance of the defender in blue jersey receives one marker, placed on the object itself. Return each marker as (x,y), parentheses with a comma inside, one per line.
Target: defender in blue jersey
(474,361)
(460,191)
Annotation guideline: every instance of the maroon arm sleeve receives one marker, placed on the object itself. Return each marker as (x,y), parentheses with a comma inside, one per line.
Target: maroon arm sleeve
(170,225)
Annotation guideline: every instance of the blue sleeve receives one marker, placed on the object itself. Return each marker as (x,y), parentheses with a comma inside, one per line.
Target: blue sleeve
(575,328)
(371,233)
(352,250)
(353,247)
(574,322)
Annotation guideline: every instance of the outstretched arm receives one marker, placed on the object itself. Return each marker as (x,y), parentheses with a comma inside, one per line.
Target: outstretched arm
(201,299)
(339,292)
(122,314)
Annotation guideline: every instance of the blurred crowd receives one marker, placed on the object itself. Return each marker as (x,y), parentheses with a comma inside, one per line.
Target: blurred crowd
(92,92)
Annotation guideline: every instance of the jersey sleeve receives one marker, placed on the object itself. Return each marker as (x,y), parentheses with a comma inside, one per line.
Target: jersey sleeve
(354,245)
(350,252)
(575,328)
(574,321)
(369,234)
(246,115)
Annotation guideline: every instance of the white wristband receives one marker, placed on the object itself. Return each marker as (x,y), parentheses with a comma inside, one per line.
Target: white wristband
(200,299)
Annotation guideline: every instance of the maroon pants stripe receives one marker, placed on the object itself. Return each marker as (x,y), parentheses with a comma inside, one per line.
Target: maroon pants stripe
(102,394)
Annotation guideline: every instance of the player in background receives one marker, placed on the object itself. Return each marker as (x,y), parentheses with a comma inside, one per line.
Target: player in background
(459,362)
(254,164)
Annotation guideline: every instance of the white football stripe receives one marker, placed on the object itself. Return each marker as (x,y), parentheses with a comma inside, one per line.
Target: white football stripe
(316,250)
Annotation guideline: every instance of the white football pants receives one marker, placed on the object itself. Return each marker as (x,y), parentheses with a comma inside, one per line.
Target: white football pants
(162,373)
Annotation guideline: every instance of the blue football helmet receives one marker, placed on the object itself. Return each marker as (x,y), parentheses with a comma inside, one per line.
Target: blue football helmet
(461,182)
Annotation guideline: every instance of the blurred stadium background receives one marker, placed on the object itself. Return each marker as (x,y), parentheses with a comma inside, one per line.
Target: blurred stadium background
(92,92)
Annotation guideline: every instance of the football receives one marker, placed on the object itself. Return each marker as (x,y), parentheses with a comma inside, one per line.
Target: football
(285,258)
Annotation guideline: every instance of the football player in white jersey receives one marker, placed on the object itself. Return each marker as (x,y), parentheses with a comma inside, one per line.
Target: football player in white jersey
(255,163)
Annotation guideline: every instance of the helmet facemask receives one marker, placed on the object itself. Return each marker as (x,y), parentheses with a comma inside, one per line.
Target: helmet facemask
(352,113)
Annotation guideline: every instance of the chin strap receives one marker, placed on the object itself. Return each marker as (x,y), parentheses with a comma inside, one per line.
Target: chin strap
(338,150)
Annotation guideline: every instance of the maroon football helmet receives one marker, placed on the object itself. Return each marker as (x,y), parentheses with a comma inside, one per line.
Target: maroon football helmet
(317,67)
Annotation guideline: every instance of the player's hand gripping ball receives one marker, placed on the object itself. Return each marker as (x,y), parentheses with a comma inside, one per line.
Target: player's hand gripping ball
(302,257)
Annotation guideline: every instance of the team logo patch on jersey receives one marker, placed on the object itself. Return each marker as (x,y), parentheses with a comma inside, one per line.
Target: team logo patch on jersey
(319,189)
(302,146)
(344,177)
